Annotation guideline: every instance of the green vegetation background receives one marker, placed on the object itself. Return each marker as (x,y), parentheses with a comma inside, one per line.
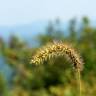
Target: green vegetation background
(55,77)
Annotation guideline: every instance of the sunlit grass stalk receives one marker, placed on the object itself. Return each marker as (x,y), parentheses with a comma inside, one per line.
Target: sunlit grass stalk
(59,49)
(79,82)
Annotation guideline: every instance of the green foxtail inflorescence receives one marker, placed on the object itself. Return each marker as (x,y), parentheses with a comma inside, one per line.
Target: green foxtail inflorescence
(57,49)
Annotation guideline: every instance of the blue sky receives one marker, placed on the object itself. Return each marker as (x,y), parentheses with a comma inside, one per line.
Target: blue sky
(27,11)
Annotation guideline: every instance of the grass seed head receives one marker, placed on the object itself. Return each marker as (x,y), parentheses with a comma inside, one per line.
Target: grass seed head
(55,50)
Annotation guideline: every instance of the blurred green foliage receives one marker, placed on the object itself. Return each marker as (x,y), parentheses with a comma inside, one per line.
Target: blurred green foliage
(56,77)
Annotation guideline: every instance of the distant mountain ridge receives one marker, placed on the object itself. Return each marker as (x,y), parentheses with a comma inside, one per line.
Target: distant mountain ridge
(30,30)
(24,30)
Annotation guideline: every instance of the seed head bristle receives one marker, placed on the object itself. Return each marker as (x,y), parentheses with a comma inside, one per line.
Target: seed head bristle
(55,50)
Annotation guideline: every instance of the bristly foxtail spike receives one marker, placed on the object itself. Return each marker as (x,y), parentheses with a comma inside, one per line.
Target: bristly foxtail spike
(58,49)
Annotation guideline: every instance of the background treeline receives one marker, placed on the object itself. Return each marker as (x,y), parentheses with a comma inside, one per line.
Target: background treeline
(56,77)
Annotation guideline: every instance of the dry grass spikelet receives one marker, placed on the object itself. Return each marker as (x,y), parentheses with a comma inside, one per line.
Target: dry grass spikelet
(55,50)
